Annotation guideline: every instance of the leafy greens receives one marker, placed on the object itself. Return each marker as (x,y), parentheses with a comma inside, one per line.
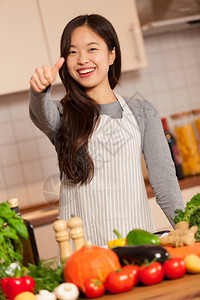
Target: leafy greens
(191,214)
(12,227)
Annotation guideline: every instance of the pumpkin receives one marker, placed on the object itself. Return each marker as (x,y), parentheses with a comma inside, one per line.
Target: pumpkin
(90,262)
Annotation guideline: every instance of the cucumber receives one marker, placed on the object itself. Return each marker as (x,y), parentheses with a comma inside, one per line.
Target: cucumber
(141,253)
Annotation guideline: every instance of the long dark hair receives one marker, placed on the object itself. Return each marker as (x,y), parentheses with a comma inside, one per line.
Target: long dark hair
(81,113)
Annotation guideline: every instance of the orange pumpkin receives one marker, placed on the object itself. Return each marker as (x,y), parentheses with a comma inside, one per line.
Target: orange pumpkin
(92,261)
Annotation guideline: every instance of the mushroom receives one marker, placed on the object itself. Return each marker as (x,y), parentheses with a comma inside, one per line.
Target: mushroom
(67,291)
(45,295)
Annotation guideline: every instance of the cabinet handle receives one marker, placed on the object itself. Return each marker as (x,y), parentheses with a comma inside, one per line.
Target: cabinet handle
(135,43)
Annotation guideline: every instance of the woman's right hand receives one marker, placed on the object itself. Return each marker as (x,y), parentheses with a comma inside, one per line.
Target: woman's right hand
(45,75)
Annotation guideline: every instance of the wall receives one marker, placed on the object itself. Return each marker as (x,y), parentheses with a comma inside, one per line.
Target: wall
(29,168)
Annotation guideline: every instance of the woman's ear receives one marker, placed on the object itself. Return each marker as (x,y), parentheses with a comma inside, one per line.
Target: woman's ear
(112,56)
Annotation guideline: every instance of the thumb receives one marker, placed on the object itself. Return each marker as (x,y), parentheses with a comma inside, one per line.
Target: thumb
(58,65)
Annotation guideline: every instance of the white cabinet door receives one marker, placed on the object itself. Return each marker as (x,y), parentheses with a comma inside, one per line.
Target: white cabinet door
(122,14)
(22,44)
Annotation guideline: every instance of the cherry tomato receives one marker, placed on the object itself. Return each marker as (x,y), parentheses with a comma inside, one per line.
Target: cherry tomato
(93,288)
(151,274)
(174,268)
(135,272)
(119,281)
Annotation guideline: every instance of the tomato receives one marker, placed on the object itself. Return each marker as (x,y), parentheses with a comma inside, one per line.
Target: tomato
(93,288)
(151,274)
(119,281)
(134,271)
(174,268)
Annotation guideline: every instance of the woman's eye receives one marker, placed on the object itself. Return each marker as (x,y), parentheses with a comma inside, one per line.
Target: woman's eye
(92,49)
(72,52)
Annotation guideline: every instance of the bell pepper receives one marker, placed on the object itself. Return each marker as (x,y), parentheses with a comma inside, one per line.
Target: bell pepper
(141,237)
(12,286)
(119,242)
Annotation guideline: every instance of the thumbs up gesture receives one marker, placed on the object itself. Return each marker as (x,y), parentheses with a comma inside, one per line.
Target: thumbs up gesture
(45,75)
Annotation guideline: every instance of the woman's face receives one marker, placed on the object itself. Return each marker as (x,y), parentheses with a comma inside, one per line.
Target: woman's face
(89,58)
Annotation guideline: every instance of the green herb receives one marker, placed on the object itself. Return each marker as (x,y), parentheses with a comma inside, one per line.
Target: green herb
(191,214)
(11,227)
(195,220)
(179,217)
(47,275)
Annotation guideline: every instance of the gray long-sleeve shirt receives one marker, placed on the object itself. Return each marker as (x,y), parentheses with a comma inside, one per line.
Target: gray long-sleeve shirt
(46,115)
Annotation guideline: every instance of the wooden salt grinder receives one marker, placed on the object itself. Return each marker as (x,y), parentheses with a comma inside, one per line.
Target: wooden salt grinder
(62,237)
(77,234)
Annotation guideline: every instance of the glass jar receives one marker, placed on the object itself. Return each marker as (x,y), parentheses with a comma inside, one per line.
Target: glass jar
(187,142)
(196,116)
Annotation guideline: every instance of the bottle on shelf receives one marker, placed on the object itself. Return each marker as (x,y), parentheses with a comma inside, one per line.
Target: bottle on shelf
(175,153)
(30,251)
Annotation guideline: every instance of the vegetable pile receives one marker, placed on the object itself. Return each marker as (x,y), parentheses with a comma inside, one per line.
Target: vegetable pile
(191,214)
(139,259)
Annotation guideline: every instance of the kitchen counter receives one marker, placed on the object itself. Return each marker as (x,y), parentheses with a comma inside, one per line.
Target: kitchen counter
(47,213)
(186,287)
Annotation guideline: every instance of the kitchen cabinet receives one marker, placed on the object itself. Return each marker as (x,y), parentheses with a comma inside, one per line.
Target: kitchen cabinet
(23,45)
(122,14)
(30,34)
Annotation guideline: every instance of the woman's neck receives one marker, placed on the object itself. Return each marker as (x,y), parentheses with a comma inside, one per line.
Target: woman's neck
(102,96)
(102,93)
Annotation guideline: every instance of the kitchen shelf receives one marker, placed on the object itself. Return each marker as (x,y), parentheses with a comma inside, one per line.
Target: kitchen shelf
(47,213)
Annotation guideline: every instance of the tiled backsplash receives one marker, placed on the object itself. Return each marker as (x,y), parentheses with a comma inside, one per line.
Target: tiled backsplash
(29,168)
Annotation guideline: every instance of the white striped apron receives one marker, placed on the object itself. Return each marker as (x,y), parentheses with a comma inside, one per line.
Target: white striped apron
(116,197)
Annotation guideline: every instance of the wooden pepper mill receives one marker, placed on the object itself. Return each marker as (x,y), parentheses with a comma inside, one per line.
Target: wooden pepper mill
(77,234)
(62,237)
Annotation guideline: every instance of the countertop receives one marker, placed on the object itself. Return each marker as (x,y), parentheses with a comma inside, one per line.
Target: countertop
(47,213)
(186,287)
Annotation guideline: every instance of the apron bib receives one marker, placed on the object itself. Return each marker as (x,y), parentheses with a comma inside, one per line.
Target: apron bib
(116,197)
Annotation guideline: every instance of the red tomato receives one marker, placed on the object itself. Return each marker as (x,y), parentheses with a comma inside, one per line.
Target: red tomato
(152,274)
(93,288)
(119,281)
(135,272)
(174,268)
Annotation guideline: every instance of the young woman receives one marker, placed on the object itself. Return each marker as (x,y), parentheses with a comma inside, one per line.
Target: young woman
(99,137)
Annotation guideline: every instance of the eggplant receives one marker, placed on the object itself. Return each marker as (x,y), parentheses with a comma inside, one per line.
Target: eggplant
(141,253)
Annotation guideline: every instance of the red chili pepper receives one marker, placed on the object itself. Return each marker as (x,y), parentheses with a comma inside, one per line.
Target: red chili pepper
(12,286)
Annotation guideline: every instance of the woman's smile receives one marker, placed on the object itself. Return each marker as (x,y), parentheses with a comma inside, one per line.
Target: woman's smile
(85,72)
